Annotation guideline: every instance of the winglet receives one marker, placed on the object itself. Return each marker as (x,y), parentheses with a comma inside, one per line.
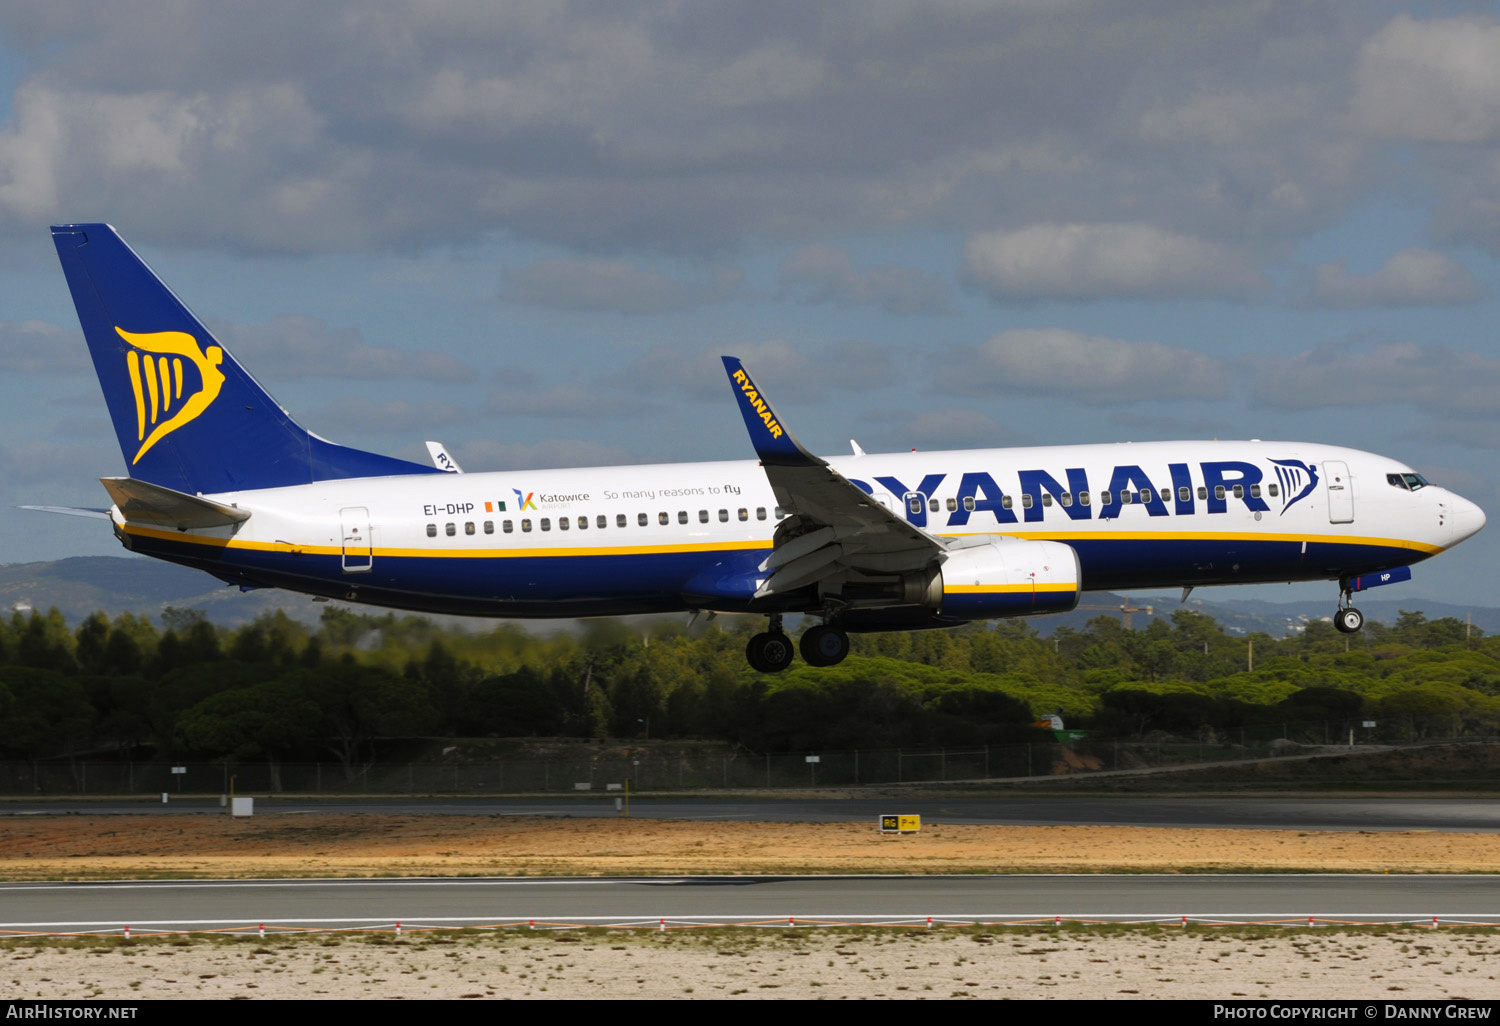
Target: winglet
(773,443)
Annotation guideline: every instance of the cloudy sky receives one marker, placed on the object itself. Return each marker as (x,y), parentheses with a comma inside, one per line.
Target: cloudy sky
(529,230)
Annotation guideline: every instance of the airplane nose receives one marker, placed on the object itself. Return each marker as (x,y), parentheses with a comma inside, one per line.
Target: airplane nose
(1465,519)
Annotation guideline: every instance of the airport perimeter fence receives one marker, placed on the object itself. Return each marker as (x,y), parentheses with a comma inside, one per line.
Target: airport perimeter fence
(711,769)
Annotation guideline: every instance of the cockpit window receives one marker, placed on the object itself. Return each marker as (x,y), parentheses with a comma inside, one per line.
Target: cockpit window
(1411,482)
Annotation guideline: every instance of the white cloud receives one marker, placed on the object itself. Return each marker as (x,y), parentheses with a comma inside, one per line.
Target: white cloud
(820,273)
(484,454)
(1411,277)
(1102,261)
(614,285)
(298,346)
(801,372)
(1069,364)
(952,429)
(1435,378)
(1430,81)
(1222,117)
(360,414)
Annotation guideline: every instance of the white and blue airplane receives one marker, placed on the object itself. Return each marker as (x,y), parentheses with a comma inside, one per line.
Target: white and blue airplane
(222,479)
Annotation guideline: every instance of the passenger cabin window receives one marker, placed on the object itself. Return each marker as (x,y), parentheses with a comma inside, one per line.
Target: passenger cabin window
(915,505)
(1083,498)
(1126,498)
(1147,495)
(703,516)
(505,525)
(1239,491)
(545,523)
(744,514)
(1066,498)
(952,505)
(1026,501)
(1046,498)
(468,527)
(1106,497)
(682,517)
(526,527)
(583,523)
(450,529)
(969,503)
(620,519)
(932,506)
(1255,491)
(641,520)
(1006,502)
(780,513)
(489,527)
(562,524)
(1203,492)
(602,521)
(760,512)
(664,518)
(1218,491)
(1273,489)
(1185,494)
(432,530)
(723,516)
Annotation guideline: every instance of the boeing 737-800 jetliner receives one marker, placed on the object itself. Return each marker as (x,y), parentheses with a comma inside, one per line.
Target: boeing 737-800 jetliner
(222,479)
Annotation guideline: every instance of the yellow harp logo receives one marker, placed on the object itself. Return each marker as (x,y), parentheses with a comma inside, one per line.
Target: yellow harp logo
(155,363)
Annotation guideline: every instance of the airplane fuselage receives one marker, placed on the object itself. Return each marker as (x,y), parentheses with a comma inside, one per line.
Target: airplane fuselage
(658,538)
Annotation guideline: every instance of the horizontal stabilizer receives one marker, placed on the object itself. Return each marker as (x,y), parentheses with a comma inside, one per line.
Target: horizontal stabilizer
(141,502)
(72,511)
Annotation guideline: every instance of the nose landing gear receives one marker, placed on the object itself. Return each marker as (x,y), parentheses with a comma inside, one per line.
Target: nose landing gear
(1347,620)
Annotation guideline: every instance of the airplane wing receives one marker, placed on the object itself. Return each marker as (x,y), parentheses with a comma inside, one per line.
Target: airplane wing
(834,526)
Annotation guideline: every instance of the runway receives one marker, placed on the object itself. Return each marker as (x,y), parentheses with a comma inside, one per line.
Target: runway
(173,906)
(1469,815)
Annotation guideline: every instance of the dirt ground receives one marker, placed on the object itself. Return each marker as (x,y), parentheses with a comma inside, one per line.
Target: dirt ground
(833,963)
(1363,967)
(290,845)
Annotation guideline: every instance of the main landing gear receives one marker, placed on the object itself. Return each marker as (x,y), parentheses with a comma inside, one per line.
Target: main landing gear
(771,651)
(1347,620)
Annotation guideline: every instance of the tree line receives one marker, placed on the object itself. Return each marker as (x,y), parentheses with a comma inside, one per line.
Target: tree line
(277,689)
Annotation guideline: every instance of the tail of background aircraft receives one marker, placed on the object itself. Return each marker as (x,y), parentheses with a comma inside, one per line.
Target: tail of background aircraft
(187,415)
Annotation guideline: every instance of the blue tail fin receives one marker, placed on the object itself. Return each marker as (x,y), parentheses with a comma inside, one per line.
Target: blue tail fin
(187,415)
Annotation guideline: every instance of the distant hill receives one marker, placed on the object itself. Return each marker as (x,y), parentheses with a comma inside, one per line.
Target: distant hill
(115,584)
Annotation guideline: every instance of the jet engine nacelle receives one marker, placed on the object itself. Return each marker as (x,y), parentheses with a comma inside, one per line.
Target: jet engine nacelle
(994,577)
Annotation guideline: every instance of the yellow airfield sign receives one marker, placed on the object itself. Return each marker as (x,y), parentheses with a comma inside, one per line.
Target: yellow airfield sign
(900,824)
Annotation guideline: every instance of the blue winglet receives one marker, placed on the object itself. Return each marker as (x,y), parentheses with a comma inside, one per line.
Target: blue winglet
(773,443)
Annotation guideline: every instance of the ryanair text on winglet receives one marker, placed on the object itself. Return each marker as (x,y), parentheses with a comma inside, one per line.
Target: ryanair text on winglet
(753,398)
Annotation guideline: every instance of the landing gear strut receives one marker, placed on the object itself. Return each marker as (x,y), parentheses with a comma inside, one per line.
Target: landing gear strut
(770,651)
(1347,620)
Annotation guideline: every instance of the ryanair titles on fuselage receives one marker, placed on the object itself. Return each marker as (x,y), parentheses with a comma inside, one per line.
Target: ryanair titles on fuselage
(1180,493)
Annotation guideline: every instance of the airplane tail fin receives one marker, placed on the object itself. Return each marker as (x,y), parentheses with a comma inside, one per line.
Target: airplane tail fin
(187,415)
